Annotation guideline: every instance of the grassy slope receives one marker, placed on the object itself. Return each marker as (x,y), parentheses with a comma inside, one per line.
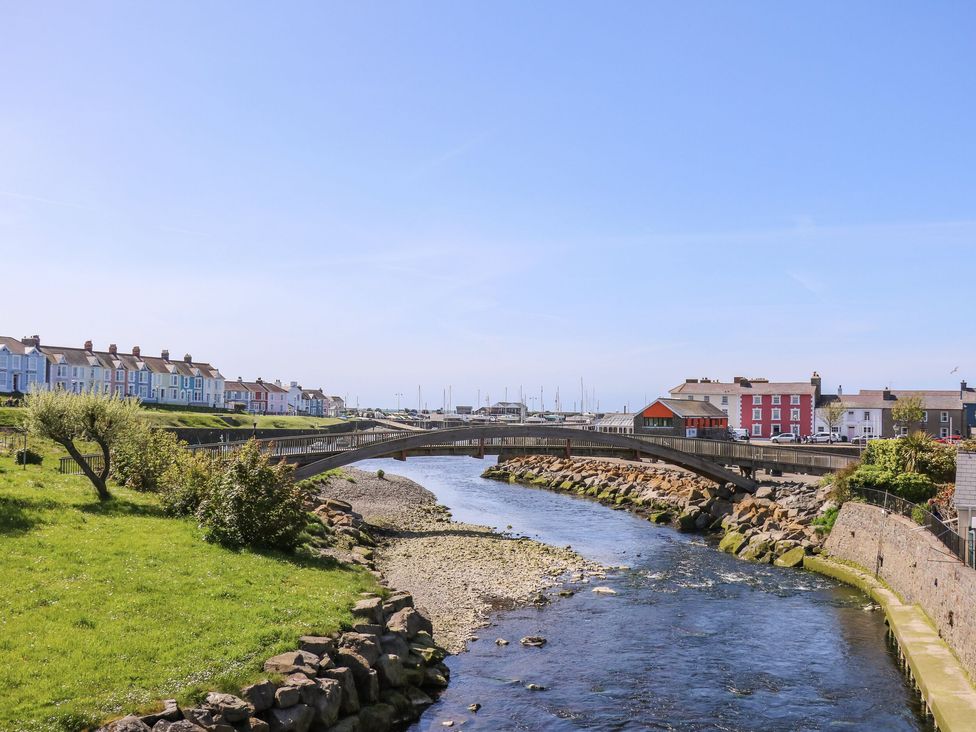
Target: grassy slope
(11,416)
(105,609)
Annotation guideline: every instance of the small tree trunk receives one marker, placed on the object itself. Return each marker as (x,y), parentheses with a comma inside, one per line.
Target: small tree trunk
(106,460)
(97,480)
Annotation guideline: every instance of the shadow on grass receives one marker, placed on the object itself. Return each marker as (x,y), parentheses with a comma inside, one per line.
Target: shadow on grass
(122,507)
(303,559)
(15,516)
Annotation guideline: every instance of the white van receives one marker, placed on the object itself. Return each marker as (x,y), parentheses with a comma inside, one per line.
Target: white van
(738,434)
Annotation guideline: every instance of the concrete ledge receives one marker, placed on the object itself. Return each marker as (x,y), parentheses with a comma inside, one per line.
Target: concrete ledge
(943,682)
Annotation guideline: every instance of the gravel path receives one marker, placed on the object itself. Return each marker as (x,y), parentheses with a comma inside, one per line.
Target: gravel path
(459,572)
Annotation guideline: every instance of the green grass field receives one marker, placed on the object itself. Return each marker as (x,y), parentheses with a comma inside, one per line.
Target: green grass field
(11,417)
(105,609)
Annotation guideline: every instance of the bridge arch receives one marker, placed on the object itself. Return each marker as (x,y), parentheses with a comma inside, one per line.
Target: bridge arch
(486,436)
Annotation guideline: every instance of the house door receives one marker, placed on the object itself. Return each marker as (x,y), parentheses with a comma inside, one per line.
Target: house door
(16,382)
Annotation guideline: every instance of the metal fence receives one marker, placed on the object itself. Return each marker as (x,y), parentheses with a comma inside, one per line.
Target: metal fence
(942,531)
(68,466)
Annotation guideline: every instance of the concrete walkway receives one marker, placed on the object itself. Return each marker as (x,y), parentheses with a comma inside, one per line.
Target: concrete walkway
(942,680)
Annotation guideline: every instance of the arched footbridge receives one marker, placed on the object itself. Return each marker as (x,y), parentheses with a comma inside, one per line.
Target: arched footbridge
(713,459)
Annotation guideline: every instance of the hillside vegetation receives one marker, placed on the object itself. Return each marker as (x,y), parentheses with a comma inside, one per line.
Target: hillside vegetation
(109,606)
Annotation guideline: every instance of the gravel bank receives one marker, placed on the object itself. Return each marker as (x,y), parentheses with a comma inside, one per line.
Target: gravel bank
(459,572)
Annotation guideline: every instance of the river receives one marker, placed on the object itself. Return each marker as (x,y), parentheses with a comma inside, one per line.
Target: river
(693,640)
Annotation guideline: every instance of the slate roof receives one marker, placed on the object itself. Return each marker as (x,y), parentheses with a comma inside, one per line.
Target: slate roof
(15,346)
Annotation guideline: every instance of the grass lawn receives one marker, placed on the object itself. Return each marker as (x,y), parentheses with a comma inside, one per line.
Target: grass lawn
(105,609)
(11,417)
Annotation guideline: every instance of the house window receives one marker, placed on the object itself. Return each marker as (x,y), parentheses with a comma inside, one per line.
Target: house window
(725,400)
(756,414)
(850,413)
(943,431)
(105,374)
(725,412)
(795,414)
(119,375)
(3,360)
(706,398)
(776,414)
(776,429)
(776,398)
(867,430)
(867,416)
(795,429)
(757,398)
(3,378)
(756,430)
(944,417)
(925,416)
(794,398)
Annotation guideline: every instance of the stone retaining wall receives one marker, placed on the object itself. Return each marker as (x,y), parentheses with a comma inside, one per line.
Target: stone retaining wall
(916,566)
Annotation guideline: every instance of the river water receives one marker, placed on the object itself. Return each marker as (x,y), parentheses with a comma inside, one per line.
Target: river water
(694,640)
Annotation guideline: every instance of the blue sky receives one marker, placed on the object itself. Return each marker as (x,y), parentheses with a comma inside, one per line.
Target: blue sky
(375,196)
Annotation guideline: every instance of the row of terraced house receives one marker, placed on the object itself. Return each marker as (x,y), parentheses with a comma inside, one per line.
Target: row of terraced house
(27,365)
(766,408)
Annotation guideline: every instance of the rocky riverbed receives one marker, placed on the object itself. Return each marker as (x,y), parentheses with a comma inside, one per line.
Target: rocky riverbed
(774,524)
(459,573)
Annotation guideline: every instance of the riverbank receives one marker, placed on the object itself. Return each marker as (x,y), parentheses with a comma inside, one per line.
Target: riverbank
(458,572)
(775,524)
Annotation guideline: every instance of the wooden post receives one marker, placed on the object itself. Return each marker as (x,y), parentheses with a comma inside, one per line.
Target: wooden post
(481,449)
(569,449)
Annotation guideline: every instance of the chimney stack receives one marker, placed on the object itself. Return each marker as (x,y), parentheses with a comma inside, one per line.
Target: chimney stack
(88,345)
(886,394)
(136,351)
(840,391)
(188,358)
(164,355)
(963,387)
(113,349)
(34,340)
(260,380)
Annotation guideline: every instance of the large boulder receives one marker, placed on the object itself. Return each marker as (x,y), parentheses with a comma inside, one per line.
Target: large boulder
(293,662)
(409,621)
(390,670)
(318,645)
(293,719)
(377,718)
(792,558)
(182,725)
(328,703)
(365,644)
(347,682)
(228,707)
(132,723)
(396,602)
(687,519)
(367,681)
(371,609)
(260,695)
(732,542)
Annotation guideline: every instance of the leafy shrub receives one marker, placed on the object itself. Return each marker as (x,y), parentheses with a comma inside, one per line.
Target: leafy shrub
(253,503)
(825,521)
(143,455)
(380,474)
(187,482)
(919,514)
(26,456)
(913,487)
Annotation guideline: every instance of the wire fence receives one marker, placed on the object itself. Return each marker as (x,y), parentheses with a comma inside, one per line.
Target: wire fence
(920,515)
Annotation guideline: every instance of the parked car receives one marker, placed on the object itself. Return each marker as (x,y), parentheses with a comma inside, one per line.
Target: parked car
(820,437)
(784,437)
(739,435)
(864,439)
(950,440)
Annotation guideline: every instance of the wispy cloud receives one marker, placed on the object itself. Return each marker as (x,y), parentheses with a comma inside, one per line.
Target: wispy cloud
(450,154)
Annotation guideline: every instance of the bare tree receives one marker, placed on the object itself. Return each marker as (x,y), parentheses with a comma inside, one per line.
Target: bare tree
(831,414)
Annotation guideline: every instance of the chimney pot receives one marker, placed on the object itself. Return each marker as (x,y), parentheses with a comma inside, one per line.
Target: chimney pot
(88,345)
(188,358)
(136,351)
(113,349)
(840,390)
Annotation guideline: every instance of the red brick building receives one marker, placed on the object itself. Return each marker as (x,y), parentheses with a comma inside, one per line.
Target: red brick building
(768,408)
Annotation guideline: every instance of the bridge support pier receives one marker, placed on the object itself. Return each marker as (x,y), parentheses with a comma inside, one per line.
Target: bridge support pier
(569,449)
(401,456)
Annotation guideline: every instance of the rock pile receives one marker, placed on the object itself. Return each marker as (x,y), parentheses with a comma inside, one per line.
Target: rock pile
(774,524)
(374,678)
